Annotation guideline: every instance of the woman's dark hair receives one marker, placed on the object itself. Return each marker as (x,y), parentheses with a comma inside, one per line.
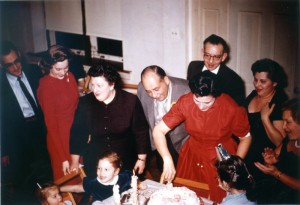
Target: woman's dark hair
(293,105)
(204,84)
(108,72)
(55,53)
(235,173)
(274,70)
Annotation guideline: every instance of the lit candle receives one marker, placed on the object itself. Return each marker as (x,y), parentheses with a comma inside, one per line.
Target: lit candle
(116,194)
(134,188)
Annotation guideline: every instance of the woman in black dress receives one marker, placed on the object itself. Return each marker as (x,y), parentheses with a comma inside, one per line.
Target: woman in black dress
(109,118)
(264,111)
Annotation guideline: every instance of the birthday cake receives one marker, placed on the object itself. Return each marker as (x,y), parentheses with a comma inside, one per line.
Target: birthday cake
(174,196)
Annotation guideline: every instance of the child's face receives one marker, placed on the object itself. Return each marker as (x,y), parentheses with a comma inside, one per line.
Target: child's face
(106,171)
(54,197)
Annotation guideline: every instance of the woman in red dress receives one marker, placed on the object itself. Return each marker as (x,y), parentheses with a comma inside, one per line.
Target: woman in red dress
(58,97)
(210,118)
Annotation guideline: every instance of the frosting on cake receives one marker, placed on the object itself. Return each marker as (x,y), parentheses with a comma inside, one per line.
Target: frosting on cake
(174,196)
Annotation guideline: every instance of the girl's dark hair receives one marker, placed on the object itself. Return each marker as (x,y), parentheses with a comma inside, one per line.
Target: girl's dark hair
(113,158)
(275,71)
(204,84)
(235,173)
(42,191)
(108,72)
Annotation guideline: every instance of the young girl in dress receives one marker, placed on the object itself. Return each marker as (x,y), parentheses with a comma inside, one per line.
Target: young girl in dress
(234,178)
(108,180)
(48,194)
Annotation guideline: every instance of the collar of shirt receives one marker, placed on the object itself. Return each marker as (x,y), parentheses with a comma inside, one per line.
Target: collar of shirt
(113,182)
(168,98)
(22,100)
(13,79)
(215,71)
(162,107)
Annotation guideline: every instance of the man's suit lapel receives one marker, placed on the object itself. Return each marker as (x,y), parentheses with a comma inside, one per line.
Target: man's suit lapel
(10,104)
(151,113)
(222,70)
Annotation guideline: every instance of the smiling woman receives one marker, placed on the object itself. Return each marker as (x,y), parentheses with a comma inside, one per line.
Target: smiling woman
(109,118)
(264,111)
(58,97)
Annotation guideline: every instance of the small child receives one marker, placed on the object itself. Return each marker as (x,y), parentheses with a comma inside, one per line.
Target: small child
(101,187)
(235,179)
(48,194)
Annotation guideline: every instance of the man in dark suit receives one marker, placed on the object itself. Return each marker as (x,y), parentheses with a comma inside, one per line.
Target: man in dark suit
(24,156)
(157,93)
(215,52)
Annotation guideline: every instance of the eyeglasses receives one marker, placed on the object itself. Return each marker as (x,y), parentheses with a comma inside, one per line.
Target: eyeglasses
(214,58)
(17,62)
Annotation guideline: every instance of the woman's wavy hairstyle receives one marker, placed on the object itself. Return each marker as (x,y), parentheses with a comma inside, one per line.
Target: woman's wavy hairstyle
(275,71)
(235,173)
(293,105)
(56,53)
(204,84)
(108,72)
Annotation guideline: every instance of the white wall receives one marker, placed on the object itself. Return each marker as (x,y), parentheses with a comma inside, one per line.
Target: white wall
(153,32)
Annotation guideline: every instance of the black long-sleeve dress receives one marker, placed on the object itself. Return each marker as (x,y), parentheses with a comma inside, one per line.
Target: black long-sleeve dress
(120,126)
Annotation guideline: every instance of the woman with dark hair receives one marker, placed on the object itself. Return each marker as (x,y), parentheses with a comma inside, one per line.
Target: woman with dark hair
(210,118)
(58,97)
(264,111)
(109,118)
(235,179)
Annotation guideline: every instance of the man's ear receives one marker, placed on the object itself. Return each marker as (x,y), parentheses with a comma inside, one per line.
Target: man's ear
(224,56)
(167,80)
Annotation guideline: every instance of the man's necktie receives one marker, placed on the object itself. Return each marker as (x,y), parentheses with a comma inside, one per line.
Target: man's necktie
(28,96)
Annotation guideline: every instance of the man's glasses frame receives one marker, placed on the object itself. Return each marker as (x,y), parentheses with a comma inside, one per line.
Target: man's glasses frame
(16,62)
(207,56)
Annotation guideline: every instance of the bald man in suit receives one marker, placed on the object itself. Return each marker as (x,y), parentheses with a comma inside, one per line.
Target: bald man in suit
(157,93)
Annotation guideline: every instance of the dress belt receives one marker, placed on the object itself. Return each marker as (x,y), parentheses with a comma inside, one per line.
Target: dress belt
(30,119)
